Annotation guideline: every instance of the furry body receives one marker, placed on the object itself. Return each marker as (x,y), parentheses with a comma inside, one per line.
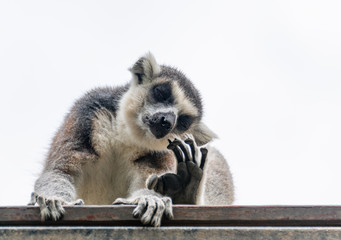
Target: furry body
(113,139)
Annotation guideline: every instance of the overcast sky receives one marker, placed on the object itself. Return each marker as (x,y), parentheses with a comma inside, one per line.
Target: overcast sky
(269,73)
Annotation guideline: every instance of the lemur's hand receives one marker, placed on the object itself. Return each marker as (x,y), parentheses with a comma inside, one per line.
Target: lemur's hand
(183,186)
(150,207)
(51,208)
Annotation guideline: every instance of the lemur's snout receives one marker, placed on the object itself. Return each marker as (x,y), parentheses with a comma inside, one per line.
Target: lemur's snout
(160,124)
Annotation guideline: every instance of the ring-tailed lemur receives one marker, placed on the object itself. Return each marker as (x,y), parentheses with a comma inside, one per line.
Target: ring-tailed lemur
(138,144)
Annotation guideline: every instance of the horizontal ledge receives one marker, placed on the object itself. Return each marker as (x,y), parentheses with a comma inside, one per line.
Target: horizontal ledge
(184,215)
(180,233)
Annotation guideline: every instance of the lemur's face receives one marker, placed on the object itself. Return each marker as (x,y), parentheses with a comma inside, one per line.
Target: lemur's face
(159,115)
(161,104)
(158,111)
(166,110)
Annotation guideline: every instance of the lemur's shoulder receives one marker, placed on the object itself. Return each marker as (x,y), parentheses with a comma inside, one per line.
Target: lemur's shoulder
(99,98)
(74,135)
(87,107)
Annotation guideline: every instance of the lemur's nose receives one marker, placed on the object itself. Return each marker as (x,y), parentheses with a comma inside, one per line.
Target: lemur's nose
(160,124)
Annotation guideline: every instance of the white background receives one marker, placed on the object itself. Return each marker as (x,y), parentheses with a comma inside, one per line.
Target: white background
(269,73)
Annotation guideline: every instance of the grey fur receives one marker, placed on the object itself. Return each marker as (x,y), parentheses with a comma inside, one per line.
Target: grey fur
(113,139)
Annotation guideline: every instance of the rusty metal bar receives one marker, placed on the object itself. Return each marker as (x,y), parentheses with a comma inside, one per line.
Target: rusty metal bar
(184,215)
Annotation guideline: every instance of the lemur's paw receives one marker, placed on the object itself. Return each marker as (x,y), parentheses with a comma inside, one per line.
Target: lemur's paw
(189,170)
(52,207)
(149,208)
(189,153)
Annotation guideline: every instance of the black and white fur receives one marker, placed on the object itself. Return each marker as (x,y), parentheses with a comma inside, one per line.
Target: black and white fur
(113,145)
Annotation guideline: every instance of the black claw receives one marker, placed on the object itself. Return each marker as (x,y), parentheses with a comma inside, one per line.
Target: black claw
(203,157)
(190,142)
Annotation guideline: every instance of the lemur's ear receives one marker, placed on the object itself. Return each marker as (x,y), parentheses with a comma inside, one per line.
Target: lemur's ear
(202,134)
(145,69)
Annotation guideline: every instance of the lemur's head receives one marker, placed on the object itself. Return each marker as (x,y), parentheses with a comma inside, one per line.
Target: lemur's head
(162,104)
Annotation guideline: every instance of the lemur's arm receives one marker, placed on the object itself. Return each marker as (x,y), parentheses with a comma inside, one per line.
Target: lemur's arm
(52,190)
(182,187)
(56,185)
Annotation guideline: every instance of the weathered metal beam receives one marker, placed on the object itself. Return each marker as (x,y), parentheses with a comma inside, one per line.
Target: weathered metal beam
(163,233)
(184,215)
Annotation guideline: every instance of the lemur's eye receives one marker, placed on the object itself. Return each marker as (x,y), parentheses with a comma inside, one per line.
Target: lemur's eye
(184,122)
(163,93)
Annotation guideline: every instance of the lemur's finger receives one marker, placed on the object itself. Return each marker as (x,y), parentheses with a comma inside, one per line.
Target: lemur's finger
(77,202)
(156,183)
(185,151)
(125,201)
(168,207)
(150,207)
(190,142)
(55,211)
(34,197)
(178,154)
(152,182)
(160,209)
(160,186)
(59,207)
(203,157)
(174,147)
(195,172)
(141,206)
(182,172)
(44,211)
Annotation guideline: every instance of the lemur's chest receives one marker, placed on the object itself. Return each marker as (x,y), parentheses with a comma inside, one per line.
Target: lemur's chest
(115,173)
(156,162)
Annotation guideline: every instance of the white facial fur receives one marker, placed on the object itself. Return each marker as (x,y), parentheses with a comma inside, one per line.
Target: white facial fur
(134,106)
